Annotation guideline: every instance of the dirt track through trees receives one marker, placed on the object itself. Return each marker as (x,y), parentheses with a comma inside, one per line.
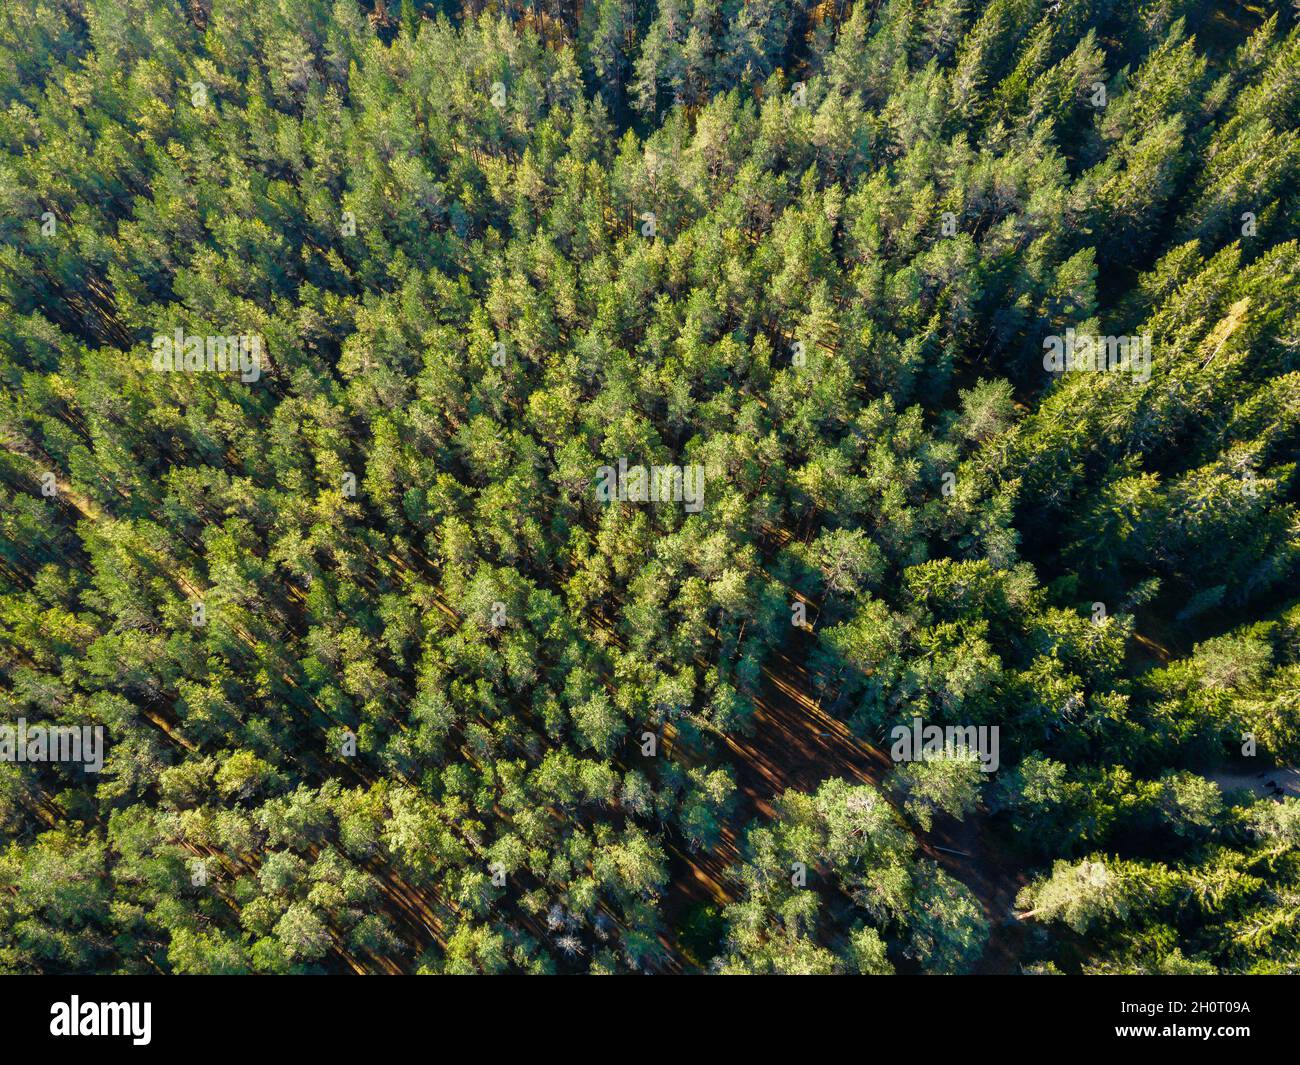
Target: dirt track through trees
(793,743)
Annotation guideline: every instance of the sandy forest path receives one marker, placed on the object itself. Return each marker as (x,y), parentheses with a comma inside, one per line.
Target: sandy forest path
(795,744)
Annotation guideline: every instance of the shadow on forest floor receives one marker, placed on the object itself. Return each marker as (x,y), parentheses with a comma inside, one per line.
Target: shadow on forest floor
(795,744)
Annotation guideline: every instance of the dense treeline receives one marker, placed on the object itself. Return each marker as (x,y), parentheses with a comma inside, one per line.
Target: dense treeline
(377,669)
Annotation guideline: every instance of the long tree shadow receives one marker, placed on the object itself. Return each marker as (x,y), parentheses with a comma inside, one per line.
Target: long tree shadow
(793,743)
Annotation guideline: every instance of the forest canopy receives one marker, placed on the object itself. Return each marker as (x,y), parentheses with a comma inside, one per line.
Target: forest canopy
(733,486)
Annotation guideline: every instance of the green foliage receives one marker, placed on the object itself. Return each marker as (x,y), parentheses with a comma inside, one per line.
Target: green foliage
(385,686)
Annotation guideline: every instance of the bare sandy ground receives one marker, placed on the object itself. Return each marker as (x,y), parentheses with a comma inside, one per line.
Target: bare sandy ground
(1280,781)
